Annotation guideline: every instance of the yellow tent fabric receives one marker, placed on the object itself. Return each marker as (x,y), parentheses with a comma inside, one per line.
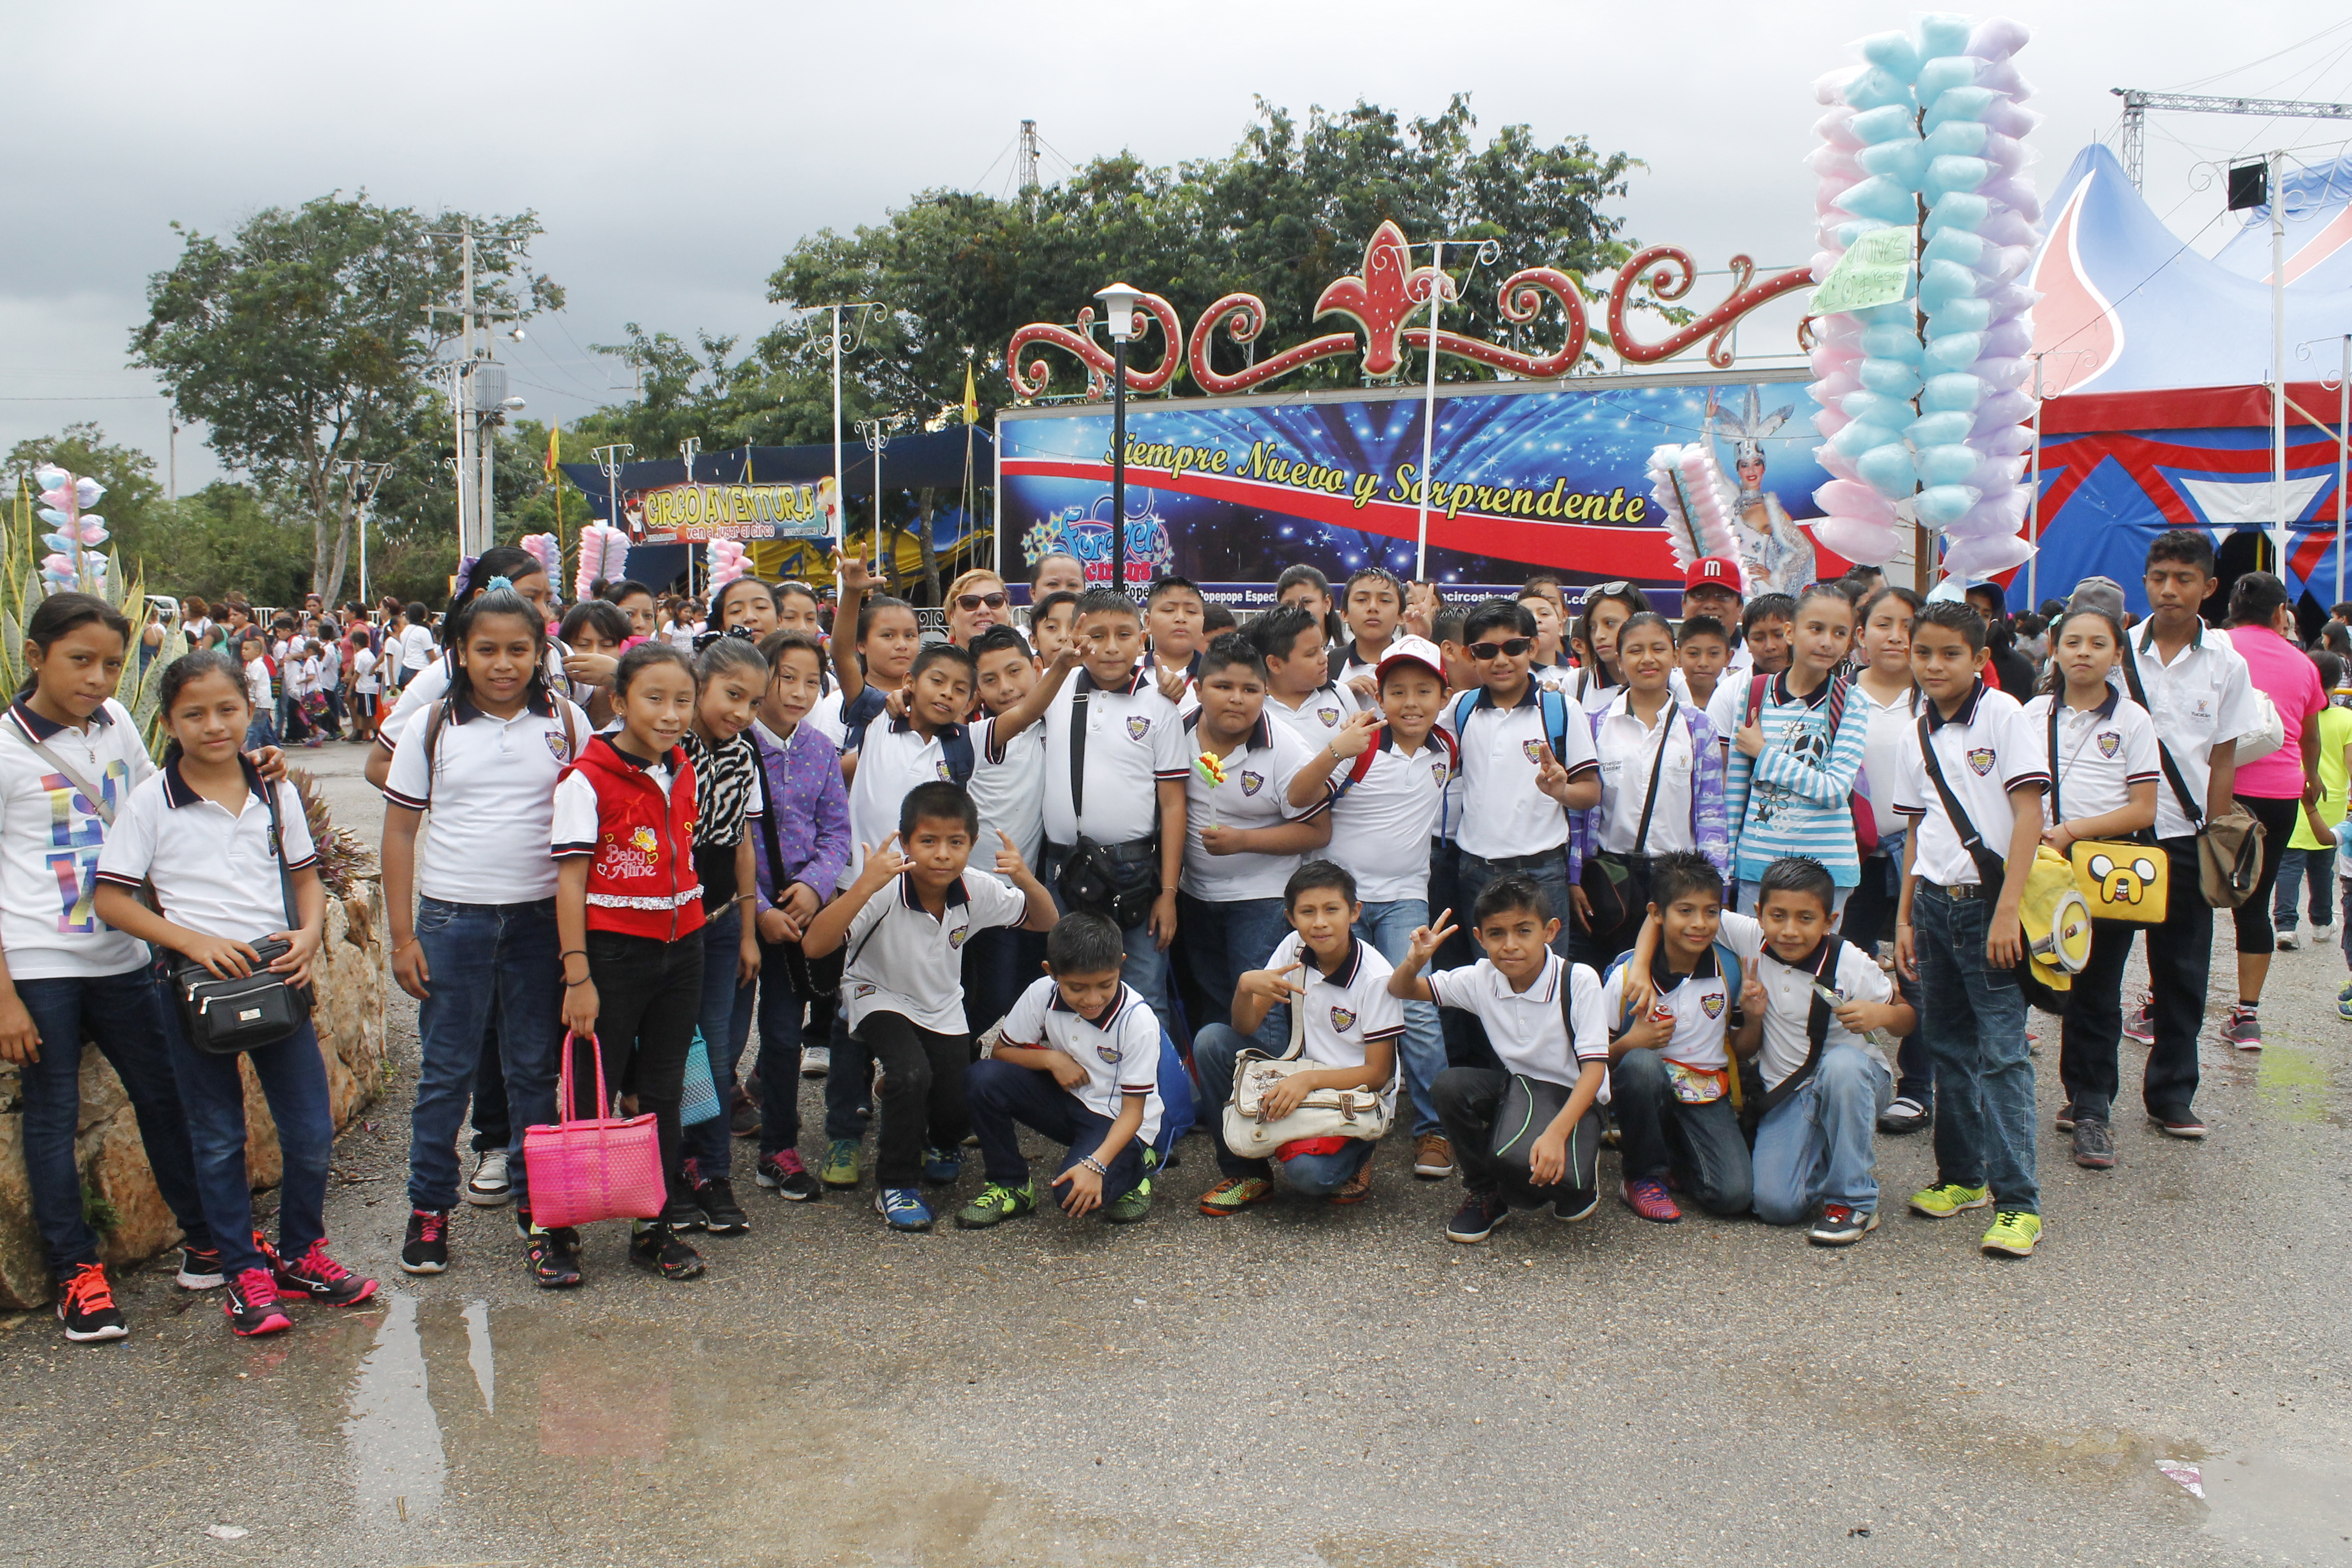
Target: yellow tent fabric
(811,560)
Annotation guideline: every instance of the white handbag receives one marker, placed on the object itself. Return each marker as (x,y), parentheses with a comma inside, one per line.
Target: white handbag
(2268,734)
(1324,1113)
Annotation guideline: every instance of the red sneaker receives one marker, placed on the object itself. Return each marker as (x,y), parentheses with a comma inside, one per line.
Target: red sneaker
(250,1302)
(315,1276)
(1646,1196)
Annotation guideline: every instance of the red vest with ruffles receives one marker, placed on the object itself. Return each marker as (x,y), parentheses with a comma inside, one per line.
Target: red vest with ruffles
(641,879)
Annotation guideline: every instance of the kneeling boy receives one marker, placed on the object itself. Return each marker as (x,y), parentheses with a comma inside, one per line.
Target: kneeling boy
(1080,1063)
(1546,1021)
(1351,1025)
(903,983)
(1671,1060)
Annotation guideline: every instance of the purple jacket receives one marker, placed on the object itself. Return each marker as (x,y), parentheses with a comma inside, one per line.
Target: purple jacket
(809,808)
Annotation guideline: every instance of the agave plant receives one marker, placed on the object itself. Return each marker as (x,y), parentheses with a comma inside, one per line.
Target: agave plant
(21,590)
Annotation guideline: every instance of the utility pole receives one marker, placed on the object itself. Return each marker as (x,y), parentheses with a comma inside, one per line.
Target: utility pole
(363,479)
(2137,103)
(477,404)
(2278,358)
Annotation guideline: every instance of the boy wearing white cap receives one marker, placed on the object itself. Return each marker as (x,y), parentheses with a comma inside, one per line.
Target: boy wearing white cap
(1391,768)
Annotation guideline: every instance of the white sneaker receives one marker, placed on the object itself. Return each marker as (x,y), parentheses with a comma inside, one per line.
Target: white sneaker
(815,1060)
(2288,941)
(2322,936)
(489,1189)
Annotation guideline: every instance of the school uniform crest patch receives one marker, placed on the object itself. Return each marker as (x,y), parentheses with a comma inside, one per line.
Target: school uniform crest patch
(2109,740)
(955,937)
(1251,781)
(1981,760)
(1712,1003)
(1330,716)
(1440,773)
(1108,1051)
(1342,1019)
(947,775)
(1139,727)
(1534,750)
(557,747)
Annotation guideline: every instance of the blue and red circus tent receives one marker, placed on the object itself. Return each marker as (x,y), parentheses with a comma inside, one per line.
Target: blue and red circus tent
(2154,359)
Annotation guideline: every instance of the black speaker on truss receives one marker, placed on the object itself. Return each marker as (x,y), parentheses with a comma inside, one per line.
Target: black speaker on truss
(2250,184)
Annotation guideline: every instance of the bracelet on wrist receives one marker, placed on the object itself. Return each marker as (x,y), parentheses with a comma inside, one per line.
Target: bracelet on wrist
(582,980)
(1097,1167)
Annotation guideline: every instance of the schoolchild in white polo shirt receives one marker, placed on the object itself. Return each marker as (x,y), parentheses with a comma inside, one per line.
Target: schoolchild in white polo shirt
(225,867)
(1602,676)
(2197,688)
(1373,605)
(1173,611)
(1243,832)
(2101,750)
(928,744)
(1125,820)
(1079,1062)
(1008,789)
(1957,928)
(480,944)
(1545,1018)
(1671,1061)
(1301,694)
(1526,762)
(1349,1021)
(1392,775)
(904,923)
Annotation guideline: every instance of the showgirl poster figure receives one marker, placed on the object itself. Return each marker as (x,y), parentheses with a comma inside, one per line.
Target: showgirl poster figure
(1778,552)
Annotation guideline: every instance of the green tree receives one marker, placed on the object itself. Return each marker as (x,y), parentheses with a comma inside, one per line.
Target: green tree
(305,340)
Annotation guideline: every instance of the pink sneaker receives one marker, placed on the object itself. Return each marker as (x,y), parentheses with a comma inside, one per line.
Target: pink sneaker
(1646,1196)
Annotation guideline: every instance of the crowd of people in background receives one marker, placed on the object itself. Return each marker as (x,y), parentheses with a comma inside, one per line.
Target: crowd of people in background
(1735,892)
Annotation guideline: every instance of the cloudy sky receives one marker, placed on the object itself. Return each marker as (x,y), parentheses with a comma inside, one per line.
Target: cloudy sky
(675,152)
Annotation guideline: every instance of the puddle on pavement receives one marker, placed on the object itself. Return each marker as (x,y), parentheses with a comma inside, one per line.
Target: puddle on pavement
(390,1430)
(2293,1508)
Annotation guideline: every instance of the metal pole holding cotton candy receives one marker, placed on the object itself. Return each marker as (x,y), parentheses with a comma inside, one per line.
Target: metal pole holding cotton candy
(73,561)
(1920,388)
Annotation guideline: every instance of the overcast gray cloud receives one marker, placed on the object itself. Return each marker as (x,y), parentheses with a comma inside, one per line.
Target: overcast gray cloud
(675,152)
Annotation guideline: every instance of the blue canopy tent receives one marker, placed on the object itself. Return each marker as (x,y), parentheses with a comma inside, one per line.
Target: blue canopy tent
(930,461)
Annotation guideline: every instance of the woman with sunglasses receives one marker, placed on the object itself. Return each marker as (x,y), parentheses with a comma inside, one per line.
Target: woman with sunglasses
(975,602)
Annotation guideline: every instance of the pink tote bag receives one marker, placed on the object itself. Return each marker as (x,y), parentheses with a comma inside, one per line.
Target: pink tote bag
(586,1169)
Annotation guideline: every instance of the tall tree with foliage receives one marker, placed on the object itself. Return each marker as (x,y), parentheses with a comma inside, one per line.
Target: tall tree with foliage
(305,340)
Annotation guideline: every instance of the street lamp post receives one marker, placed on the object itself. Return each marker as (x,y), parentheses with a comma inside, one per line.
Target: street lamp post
(1119,316)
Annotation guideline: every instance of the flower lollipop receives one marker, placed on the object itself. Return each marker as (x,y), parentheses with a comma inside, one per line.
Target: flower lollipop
(1210,770)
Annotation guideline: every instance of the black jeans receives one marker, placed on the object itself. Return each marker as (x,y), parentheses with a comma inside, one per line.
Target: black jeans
(2179,956)
(922,1101)
(1468,1100)
(648,995)
(1658,1133)
(2255,932)
(2092,1025)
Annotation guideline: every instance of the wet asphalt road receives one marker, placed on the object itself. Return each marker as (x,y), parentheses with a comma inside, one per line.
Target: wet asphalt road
(1298,1385)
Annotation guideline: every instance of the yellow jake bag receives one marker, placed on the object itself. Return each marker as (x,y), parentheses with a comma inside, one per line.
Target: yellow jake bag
(2057,921)
(2121,881)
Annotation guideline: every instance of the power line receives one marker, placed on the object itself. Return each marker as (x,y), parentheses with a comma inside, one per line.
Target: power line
(2233,70)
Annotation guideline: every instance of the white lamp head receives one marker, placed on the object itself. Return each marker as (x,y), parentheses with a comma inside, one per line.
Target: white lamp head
(1118,308)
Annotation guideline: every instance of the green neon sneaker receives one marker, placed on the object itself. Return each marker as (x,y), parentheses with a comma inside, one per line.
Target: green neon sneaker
(840,1167)
(1233,1194)
(1129,1205)
(2013,1233)
(996,1204)
(1945,1199)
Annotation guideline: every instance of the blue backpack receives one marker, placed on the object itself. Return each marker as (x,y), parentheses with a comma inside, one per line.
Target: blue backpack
(869,706)
(1555,717)
(1725,960)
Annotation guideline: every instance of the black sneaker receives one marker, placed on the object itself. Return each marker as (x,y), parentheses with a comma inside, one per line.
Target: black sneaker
(2094,1144)
(1842,1226)
(788,1178)
(714,1200)
(2179,1123)
(566,1238)
(317,1277)
(86,1307)
(1476,1218)
(659,1248)
(2065,1119)
(1903,1115)
(200,1270)
(744,1119)
(551,1268)
(427,1250)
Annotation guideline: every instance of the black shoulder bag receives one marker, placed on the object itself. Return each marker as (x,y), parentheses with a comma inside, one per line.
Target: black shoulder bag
(1618,886)
(224,1017)
(1097,878)
(1992,872)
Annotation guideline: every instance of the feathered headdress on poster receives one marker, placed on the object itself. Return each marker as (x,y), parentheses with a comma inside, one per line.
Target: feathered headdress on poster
(1689,487)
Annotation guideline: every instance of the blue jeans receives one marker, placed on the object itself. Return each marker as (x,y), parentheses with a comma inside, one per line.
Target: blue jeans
(1814,1147)
(119,1014)
(260,733)
(2292,864)
(1003,1098)
(485,964)
(1389,927)
(1973,1019)
(1214,1049)
(1466,1036)
(1223,941)
(711,1144)
(779,1012)
(293,1079)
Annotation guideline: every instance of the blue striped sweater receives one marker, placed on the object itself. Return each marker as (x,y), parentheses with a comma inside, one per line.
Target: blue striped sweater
(1795,796)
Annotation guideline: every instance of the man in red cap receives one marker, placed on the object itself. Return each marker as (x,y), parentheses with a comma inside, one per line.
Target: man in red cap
(1711,587)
